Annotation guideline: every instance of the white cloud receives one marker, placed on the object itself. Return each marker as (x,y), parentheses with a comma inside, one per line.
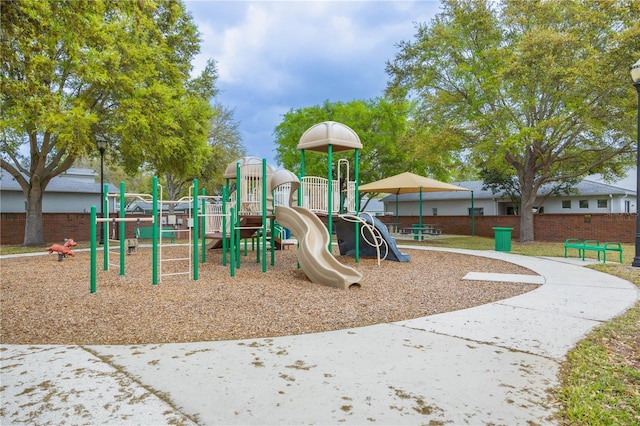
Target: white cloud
(271,39)
(276,55)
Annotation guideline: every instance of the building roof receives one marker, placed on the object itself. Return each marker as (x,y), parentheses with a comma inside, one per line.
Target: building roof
(585,187)
(57,184)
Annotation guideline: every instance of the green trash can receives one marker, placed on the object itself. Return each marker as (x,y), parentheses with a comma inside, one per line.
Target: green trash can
(503,239)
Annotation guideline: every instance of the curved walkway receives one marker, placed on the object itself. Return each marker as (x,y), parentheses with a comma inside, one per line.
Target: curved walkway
(493,363)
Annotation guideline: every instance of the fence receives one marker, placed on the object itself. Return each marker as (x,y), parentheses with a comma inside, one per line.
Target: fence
(618,227)
(58,226)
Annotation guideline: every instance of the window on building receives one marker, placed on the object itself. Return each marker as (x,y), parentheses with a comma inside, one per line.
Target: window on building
(584,204)
(566,204)
(627,206)
(434,211)
(478,211)
(603,204)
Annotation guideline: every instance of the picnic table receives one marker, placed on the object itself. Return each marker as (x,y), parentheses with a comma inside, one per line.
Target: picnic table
(419,232)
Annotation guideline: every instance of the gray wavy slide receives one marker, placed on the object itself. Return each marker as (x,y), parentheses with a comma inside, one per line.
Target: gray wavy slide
(316,261)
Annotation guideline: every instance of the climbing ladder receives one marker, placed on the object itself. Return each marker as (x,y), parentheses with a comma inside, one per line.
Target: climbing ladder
(171,259)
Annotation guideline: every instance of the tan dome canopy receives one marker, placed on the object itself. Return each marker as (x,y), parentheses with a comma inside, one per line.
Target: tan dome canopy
(252,166)
(320,136)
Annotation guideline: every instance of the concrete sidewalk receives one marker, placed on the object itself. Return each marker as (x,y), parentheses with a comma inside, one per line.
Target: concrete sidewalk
(489,364)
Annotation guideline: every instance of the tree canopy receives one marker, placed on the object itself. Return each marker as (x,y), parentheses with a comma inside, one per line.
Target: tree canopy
(379,123)
(534,89)
(74,73)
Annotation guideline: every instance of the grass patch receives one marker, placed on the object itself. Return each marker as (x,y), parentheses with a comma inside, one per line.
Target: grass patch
(601,377)
(4,250)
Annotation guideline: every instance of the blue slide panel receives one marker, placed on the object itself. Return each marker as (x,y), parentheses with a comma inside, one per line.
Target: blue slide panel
(345,231)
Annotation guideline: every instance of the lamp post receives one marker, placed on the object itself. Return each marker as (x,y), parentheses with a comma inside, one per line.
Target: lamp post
(635,77)
(102,145)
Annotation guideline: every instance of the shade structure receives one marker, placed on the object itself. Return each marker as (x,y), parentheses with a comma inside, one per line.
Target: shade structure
(408,183)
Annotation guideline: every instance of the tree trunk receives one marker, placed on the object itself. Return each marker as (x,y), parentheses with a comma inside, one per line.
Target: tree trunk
(526,225)
(173,191)
(33,229)
(526,215)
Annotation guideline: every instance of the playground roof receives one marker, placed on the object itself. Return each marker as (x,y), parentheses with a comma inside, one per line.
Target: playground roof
(319,136)
(407,182)
(250,167)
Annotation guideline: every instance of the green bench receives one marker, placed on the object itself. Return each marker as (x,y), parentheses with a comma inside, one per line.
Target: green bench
(147,233)
(592,245)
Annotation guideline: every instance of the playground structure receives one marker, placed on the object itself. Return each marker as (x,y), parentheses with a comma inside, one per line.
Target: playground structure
(314,256)
(128,245)
(374,235)
(257,204)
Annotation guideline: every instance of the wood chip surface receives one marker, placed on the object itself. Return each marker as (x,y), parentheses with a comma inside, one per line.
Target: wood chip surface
(44,301)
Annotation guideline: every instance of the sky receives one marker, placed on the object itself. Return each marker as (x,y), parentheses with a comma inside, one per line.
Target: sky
(275,56)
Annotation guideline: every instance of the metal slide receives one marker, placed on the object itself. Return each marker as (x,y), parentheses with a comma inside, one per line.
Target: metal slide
(316,261)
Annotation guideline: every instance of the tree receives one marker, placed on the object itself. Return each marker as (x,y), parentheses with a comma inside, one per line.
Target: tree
(225,143)
(184,134)
(379,123)
(75,72)
(533,89)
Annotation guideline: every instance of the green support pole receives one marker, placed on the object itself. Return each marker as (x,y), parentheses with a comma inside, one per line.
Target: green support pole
(122,228)
(330,193)
(154,233)
(204,226)
(232,259)
(420,222)
(105,229)
(236,219)
(357,202)
(223,231)
(196,229)
(264,216)
(302,163)
(92,285)
(300,193)
(397,218)
(473,217)
(272,225)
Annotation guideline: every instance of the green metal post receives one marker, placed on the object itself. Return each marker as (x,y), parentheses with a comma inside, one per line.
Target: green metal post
(105,229)
(236,219)
(92,285)
(420,222)
(196,229)
(154,233)
(330,194)
(121,228)
(357,202)
(232,250)
(473,217)
(264,216)
(272,224)
(300,177)
(397,218)
(204,226)
(223,231)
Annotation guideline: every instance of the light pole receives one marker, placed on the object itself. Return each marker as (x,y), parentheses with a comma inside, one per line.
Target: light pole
(635,77)
(102,145)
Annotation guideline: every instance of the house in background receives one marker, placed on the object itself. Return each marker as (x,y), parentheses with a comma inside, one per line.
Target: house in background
(375,206)
(74,191)
(587,197)
(143,207)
